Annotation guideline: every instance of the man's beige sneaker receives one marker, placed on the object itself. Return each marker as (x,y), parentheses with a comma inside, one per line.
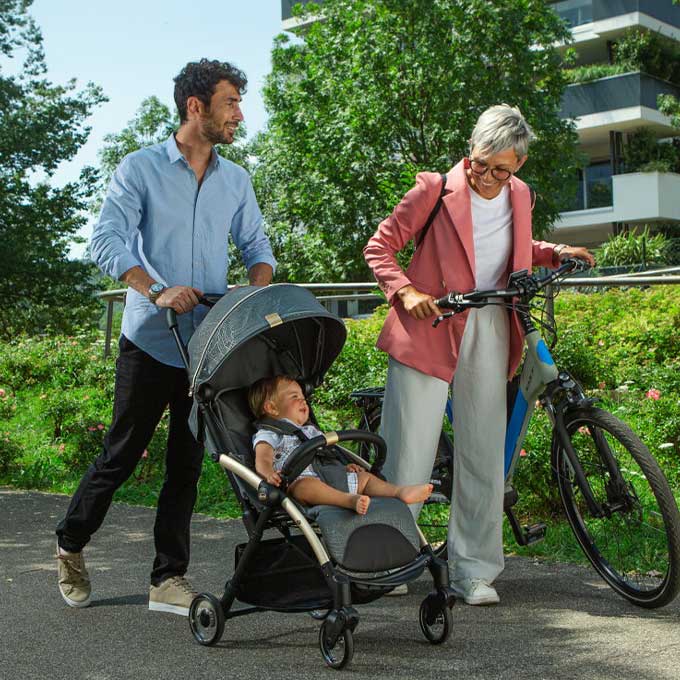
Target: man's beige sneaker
(475,591)
(74,581)
(174,595)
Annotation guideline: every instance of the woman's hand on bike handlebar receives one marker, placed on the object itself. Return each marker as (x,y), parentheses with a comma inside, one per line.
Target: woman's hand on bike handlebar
(418,305)
(579,252)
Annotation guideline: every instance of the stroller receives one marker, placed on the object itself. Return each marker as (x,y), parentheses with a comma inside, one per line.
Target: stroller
(322,559)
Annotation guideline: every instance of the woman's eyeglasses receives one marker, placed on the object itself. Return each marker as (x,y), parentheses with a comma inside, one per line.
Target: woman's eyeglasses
(480,169)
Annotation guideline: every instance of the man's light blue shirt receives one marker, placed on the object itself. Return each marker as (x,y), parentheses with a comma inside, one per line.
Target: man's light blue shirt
(155,216)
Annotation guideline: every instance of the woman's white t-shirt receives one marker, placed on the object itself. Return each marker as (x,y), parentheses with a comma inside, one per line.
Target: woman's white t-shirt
(492,231)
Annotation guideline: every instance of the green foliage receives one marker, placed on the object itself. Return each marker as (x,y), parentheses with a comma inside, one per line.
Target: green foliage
(584,74)
(41,125)
(632,248)
(670,106)
(382,89)
(650,52)
(623,345)
(643,153)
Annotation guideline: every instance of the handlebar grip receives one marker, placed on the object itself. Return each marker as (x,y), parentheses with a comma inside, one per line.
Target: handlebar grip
(171,317)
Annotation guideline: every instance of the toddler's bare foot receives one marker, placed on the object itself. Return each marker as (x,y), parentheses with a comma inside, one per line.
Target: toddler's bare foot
(361,505)
(414,493)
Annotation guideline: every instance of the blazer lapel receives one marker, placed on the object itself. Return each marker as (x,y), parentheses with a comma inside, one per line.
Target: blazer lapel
(457,204)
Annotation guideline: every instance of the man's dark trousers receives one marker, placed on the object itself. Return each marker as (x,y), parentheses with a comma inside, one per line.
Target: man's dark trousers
(144,388)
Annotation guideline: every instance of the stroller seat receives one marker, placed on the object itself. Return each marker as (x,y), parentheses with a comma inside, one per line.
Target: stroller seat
(350,538)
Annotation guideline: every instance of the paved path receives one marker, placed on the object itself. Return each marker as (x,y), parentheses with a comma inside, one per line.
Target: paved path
(554,621)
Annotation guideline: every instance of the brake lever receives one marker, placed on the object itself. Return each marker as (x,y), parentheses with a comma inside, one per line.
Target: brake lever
(439,319)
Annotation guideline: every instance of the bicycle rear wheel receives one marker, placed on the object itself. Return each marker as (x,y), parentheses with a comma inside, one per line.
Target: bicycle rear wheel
(635,544)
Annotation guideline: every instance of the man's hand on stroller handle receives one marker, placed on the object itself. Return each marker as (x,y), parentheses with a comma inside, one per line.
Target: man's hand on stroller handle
(180,298)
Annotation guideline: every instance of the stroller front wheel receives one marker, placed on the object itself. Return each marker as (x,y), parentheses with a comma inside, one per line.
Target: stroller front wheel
(436,621)
(337,655)
(206,619)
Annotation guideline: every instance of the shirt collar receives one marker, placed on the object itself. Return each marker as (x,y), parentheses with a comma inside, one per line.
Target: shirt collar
(174,154)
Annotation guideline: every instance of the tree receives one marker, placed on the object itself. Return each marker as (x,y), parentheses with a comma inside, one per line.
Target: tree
(41,124)
(153,123)
(382,89)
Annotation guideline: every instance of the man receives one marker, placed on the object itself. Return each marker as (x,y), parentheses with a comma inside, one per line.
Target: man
(164,230)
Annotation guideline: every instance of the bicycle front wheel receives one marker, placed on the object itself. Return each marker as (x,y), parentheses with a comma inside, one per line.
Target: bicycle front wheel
(635,542)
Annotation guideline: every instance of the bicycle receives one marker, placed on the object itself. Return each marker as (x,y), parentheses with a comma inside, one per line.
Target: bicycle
(612,489)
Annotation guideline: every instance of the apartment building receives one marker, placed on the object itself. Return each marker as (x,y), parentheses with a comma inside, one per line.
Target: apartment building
(606,111)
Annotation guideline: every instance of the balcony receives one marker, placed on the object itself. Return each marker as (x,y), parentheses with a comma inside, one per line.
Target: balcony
(595,23)
(624,102)
(636,197)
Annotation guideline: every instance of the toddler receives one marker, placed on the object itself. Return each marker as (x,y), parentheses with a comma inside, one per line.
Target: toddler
(281,398)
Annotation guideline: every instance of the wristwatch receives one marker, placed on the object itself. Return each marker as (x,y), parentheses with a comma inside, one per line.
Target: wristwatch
(155,289)
(558,249)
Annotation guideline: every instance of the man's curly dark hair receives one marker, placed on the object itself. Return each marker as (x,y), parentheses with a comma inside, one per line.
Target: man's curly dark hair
(199,78)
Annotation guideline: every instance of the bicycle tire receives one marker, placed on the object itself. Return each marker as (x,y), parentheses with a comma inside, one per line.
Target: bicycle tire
(635,546)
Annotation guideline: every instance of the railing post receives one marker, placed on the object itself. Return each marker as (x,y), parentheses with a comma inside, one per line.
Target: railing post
(109,327)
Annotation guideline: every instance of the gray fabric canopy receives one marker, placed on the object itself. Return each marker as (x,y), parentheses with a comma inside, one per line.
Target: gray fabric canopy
(254,330)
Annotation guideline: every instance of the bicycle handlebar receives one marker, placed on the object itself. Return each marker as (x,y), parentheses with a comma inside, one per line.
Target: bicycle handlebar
(520,285)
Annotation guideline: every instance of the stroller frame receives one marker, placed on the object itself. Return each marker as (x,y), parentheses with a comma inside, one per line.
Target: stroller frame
(266,507)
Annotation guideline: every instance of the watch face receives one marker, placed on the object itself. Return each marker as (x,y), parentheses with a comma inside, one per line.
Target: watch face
(157,288)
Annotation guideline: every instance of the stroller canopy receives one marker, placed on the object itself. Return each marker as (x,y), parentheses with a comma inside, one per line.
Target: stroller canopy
(256,332)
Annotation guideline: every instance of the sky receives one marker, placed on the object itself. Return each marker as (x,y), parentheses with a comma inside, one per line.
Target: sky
(134,48)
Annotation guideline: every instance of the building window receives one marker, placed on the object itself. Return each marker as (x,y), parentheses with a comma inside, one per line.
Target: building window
(575,12)
(594,187)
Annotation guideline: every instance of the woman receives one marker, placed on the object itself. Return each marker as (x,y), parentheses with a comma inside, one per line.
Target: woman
(480,235)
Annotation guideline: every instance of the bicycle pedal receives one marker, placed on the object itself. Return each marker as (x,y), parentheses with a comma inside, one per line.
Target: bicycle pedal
(534,533)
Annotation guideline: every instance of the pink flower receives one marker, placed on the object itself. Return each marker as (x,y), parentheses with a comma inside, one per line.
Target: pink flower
(522,453)
(602,385)
(61,448)
(653,394)
(91,429)
(2,393)
(100,426)
(583,430)
(145,454)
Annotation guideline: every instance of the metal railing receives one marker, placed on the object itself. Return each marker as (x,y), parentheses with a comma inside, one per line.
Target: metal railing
(353,293)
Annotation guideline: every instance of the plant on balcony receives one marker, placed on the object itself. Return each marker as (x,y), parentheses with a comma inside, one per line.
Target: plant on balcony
(643,153)
(589,72)
(633,248)
(649,52)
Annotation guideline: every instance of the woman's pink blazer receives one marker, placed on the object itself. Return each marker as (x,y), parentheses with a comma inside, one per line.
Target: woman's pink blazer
(445,261)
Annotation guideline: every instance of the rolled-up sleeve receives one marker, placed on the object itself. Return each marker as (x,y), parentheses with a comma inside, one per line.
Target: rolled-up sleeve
(247,230)
(121,214)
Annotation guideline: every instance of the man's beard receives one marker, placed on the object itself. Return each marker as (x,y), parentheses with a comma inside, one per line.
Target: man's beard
(213,132)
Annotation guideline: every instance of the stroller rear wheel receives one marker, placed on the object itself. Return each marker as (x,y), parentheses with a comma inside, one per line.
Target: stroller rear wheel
(336,655)
(206,619)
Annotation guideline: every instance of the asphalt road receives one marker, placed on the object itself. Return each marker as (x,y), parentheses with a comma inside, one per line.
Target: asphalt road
(554,621)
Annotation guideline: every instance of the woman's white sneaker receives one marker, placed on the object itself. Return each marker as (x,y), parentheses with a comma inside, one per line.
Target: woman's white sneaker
(475,591)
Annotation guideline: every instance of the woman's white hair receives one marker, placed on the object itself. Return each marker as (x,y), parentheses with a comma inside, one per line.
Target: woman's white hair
(501,127)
